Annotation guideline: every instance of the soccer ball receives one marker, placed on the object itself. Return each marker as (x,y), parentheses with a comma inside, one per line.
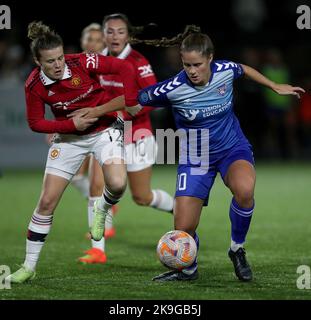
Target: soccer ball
(177,250)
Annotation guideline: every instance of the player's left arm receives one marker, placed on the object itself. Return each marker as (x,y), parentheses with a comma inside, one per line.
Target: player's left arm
(145,78)
(282,89)
(115,104)
(98,64)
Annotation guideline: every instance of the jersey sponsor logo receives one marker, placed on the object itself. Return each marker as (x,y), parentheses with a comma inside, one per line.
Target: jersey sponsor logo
(214,110)
(107,83)
(190,114)
(91,60)
(76,81)
(167,87)
(66,104)
(145,71)
(54,154)
(51,93)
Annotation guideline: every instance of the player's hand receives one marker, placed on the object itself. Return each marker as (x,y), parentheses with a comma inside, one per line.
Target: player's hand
(49,138)
(81,123)
(87,113)
(287,89)
(133,110)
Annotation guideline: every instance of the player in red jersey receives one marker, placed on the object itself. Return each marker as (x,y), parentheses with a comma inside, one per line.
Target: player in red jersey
(140,144)
(92,41)
(67,83)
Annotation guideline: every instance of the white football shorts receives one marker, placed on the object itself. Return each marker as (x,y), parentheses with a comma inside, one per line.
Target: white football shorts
(67,152)
(141,154)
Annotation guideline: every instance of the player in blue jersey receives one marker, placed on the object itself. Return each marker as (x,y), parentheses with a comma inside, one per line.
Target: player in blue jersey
(201,97)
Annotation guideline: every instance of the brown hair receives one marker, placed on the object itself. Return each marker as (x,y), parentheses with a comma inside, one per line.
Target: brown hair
(132,30)
(165,42)
(43,38)
(199,42)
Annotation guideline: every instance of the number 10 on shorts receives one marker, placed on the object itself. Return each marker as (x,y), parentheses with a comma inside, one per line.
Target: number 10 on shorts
(182,181)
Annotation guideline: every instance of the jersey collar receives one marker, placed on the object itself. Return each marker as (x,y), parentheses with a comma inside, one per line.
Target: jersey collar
(47,81)
(124,53)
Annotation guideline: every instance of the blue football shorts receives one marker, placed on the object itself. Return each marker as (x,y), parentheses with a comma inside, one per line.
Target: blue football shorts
(197,182)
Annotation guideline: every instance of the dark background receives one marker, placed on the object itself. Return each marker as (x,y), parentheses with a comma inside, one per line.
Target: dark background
(216,18)
(247,37)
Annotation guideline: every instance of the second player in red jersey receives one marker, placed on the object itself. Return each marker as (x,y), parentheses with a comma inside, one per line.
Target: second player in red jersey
(113,85)
(140,144)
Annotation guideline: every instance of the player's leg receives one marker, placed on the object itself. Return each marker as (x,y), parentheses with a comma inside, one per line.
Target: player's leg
(143,195)
(40,226)
(97,184)
(63,161)
(97,252)
(81,180)
(191,194)
(115,185)
(187,212)
(110,154)
(141,155)
(240,179)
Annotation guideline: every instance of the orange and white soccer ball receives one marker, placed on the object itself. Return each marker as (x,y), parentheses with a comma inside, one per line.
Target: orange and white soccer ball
(177,250)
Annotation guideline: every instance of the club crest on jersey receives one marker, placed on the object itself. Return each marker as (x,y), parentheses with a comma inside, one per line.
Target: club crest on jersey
(76,81)
(54,154)
(222,89)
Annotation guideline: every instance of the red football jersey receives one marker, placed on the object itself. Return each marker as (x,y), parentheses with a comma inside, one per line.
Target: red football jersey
(145,77)
(79,88)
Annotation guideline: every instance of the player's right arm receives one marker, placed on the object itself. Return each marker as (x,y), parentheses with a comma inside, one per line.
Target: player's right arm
(156,95)
(37,122)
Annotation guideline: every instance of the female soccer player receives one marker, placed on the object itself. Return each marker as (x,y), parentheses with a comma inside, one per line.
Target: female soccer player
(92,41)
(140,144)
(67,83)
(201,97)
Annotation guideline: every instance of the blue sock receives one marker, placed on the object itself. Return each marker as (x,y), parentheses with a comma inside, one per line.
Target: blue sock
(191,269)
(240,221)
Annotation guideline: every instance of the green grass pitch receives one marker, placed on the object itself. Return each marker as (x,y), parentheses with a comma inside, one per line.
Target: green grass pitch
(278,242)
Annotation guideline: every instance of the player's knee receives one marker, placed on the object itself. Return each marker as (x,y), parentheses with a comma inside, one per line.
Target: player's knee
(116,185)
(46,204)
(141,200)
(245,197)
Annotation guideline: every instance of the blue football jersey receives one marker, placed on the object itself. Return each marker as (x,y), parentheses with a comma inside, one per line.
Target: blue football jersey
(202,107)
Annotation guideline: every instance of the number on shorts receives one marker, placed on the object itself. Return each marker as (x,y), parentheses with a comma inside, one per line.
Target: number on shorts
(182,181)
(141,147)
